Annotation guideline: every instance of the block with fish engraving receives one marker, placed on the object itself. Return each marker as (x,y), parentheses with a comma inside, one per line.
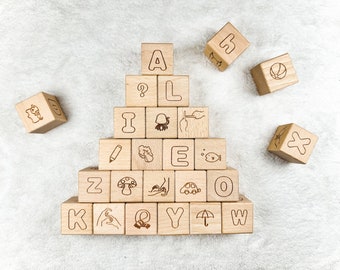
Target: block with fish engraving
(210,153)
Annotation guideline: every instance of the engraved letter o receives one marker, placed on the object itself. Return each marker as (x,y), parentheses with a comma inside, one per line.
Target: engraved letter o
(223,186)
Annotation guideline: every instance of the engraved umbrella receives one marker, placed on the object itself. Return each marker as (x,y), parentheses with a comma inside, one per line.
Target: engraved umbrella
(205,214)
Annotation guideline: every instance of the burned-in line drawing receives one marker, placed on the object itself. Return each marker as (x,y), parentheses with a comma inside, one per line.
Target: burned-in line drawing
(162,189)
(162,121)
(228,43)
(115,153)
(205,214)
(75,219)
(145,153)
(239,217)
(33,113)
(142,218)
(175,216)
(128,127)
(127,184)
(157,61)
(212,57)
(278,71)
(211,157)
(223,186)
(142,88)
(278,137)
(107,219)
(55,106)
(94,187)
(179,156)
(169,92)
(196,115)
(190,188)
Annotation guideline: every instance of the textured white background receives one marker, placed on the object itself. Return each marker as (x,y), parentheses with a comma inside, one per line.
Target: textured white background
(81,51)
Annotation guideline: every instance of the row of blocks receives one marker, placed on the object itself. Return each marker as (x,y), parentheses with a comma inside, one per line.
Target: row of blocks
(158,154)
(158,186)
(157,218)
(161,122)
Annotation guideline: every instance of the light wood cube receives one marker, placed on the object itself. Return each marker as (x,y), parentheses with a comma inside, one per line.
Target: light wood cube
(237,217)
(40,113)
(159,186)
(114,154)
(126,186)
(147,154)
(190,186)
(193,122)
(161,122)
(173,218)
(140,91)
(93,185)
(76,218)
(173,91)
(178,154)
(205,218)
(129,122)
(223,185)
(141,218)
(225,46)
(293,143)
(210,153)
(274,74)
(157,58)
(109,218)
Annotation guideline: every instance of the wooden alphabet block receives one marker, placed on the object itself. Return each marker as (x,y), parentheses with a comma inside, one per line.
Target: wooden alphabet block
(274,74)
(237,217)
(210,153)
(157,58)
(114,154)
(76,218)
(190,186)
(140,91)
(126,186)
(173,218)
(141,218)
(178,154)
(161,122)
(40,113)
(108,218)
(222,185)
(129,122)
(225,46)
(193,122)
(147,154)
(159,186)
(293,143)
(173,91)
(93,185)
(205,218)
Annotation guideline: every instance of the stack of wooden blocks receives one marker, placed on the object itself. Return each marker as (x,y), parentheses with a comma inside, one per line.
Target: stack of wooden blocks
(161,173)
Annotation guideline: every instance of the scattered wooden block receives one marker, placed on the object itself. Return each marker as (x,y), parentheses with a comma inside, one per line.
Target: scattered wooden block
(193,122)
(173,218)
(93,185)
(178,154)
(161,122)
(159,186)
(274,74)
(147,154)
(126,186)
(114,154)
(108,218)
(293,143)
(225,46)
(205,218)
(157,58)
(237,217)
(173,91)
(140,91)
(190,186)
(76,218)
(40,113)
(210,153)
(129,122)
(141,218)
(222,185)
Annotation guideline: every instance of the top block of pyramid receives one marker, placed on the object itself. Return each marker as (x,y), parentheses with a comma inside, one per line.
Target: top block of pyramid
(157,58)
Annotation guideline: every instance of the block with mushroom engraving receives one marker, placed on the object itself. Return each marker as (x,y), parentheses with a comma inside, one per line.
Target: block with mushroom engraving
(126,186)
(293,143)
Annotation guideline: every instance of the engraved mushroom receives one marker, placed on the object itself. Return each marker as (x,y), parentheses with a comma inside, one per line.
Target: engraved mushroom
(162,122)
(126,184)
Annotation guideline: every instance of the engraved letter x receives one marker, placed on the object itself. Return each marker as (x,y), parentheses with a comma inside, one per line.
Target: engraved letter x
(299,142)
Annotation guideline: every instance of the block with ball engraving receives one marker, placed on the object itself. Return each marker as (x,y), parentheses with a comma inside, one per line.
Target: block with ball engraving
(274,74)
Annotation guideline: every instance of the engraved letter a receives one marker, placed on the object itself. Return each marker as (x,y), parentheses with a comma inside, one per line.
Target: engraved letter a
(239,217)
(76,218)
(157,61)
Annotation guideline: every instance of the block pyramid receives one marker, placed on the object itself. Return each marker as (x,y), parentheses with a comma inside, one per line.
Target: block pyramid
(160,173)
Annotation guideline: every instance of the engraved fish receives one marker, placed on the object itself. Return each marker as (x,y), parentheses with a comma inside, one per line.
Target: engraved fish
(212,157)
